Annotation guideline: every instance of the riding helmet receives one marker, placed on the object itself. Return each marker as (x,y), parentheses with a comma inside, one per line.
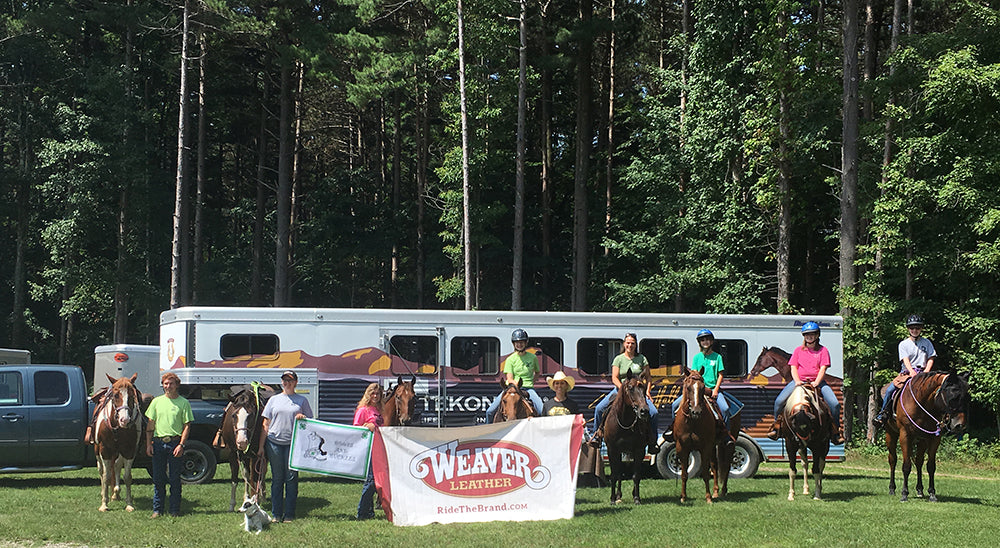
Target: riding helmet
(519,335)
(705,333)
(913,320)
(810,327)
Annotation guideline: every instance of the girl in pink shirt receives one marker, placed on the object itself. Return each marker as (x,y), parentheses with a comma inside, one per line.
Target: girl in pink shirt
(369,415)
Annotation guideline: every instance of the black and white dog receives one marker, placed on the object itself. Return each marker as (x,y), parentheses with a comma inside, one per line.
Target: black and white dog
(254,518)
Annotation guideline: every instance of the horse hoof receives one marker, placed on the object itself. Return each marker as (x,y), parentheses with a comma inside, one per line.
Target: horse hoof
(892,491)
(903,499)
(932,498)
(103,508)
(637,501)
(817,497)
(791,497)
(130,508)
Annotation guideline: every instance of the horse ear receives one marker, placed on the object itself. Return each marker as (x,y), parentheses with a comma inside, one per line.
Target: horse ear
(111,379)
(519,383)
(134,377)
(399,379)
(413,379)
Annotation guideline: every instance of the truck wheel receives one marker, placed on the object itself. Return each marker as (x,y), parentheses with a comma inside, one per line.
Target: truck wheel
(669,465)
(746,459)
(197,463)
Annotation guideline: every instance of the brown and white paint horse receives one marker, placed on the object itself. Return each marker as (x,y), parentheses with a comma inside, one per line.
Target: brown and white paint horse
(118,424)
(241,429)
(806,429)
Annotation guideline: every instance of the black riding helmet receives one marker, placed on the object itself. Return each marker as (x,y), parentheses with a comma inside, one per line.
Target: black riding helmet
(519,335)
(914,320)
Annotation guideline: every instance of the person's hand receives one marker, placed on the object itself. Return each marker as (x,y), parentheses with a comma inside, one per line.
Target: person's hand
(149,449)
(178,450)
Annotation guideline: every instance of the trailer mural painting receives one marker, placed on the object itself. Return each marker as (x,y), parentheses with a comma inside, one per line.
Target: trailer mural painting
(457,356)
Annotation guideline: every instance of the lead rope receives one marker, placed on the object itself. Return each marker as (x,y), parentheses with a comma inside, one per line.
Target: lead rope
(254,464)
(935,432)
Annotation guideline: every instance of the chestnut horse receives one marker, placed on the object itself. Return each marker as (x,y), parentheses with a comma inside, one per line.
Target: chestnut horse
(118,428)
(514,403)
(806,428)
(772,357)
(398,404)
(626,430)
(241,432)
(696,428)
(928,405)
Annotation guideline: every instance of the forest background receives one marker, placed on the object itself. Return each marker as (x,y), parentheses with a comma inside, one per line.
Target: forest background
(721,156)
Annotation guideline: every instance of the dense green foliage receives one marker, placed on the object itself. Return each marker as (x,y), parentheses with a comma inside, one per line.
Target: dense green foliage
(684,218)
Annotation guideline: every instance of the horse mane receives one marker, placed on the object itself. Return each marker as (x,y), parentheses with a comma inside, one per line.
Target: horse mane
(780,351)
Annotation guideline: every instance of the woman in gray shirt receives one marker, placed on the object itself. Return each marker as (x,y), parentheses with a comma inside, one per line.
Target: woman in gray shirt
(280,414)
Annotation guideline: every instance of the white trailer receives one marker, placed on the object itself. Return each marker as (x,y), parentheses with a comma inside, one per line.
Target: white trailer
(14,356)
(457,356)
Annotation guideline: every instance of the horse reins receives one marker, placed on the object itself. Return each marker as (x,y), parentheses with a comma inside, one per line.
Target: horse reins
(936,431)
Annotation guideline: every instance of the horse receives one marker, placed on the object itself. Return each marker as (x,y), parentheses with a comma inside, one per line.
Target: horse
(241,428)
(626,430)
(805,428)
(118,422)
(695,429)
(398,404)
(772,357)
(928,405)
(514,403)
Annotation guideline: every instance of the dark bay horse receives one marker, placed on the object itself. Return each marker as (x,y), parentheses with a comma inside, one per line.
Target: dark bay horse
(929,404)
(772,357)
(806,428)
(398,404)
(514,403)
(696,429)
(626,430)
(118,431)
(241,434)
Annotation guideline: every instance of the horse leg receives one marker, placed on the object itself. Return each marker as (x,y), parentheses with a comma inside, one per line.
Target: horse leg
(637,472)
(890,444)
(819,462)
(932,467)
(615,459)
(918,463)
(233,474)
(904,444)
(682,456)
(116,493)
(127,473)
(793,456)
(102,469)
(708,470)
(804,451)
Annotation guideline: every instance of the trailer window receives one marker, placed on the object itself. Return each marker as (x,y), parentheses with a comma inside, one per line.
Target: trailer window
(594,356)
(664,352)
(414,354)
(10,388)
(549,351)
(51,388)
(475,355)
(244,346)
(734,356)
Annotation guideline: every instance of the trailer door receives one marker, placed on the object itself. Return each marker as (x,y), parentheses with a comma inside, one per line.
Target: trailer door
(419,352)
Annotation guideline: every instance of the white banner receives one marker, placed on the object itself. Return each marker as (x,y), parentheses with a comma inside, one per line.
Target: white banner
(522,470)
(331,449)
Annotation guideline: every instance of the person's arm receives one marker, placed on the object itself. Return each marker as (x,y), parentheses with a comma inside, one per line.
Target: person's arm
(150,428)
(647,376)
(263,433)
(718,386)
(179,449)
(614,377)
(820,376)
(930,363)
(794,366)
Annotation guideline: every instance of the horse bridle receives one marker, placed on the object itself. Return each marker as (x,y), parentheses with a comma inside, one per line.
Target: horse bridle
(636,410)
(254,387)
(133,412)
(937,421)
(503,412)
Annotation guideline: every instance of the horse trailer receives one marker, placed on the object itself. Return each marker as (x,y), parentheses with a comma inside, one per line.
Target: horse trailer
(457,357)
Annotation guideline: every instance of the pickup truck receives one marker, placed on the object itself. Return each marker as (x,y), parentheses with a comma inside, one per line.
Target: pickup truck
(44,412)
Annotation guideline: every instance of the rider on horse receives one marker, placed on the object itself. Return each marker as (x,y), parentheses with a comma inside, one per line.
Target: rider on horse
(809,363)
(519,365)
(709,363)
(629,360)
(916,354)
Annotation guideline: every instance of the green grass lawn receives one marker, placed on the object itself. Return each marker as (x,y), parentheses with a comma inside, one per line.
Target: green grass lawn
(40,509)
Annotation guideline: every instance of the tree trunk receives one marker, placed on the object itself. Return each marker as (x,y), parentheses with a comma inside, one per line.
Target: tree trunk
(849,182)
(522,98)
(584,138)
(298,112)
(609,167)
(257,267)
(180,232)
(466,222)
(784,173)
(283,208)
(545,113)
(397,181)
(199,202)
(423,153)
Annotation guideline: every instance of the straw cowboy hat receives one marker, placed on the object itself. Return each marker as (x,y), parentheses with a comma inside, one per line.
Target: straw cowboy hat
(560,376)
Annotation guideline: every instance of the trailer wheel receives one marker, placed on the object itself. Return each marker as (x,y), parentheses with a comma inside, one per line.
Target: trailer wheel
(669,466)
(746,459)
(197,463)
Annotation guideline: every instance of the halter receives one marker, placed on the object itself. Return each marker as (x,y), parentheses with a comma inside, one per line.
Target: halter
(254,387)
(936,431)
(635,412)
(111,418)
(813,399)
(503,412)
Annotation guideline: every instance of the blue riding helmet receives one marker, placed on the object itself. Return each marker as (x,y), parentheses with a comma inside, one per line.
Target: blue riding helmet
(810,327)
(704,333)
(519,335)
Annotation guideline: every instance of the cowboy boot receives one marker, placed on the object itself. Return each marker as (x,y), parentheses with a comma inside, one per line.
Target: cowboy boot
(836,434)
(775,428)
(597,438)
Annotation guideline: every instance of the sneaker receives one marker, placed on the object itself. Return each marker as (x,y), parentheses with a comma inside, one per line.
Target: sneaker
(653,449)
(773,432)
(879,419)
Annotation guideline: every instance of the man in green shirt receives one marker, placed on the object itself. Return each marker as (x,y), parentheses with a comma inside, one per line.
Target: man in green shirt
(170,419)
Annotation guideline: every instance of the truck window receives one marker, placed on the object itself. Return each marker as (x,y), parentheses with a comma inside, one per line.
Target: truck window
(664,352)
(10,388)
(51,388)
(734,356)
(475,355)
(245,346)
(549,351)
(413,354)
(594,356)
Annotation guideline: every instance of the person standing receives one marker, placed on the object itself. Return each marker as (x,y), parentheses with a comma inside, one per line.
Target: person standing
(916,354)
(280,414)
(169,425)
(519,365)
(630,360)
(369,415)
(560,404)
(809,363)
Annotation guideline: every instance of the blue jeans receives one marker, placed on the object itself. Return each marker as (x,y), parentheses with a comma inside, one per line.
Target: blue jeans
(366,506)
(284,482)
(824,389)
(720,399)
(535,400)
(888,396)
(602,408)
(166,468)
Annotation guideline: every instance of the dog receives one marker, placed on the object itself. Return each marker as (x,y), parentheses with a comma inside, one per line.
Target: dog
(254,518)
